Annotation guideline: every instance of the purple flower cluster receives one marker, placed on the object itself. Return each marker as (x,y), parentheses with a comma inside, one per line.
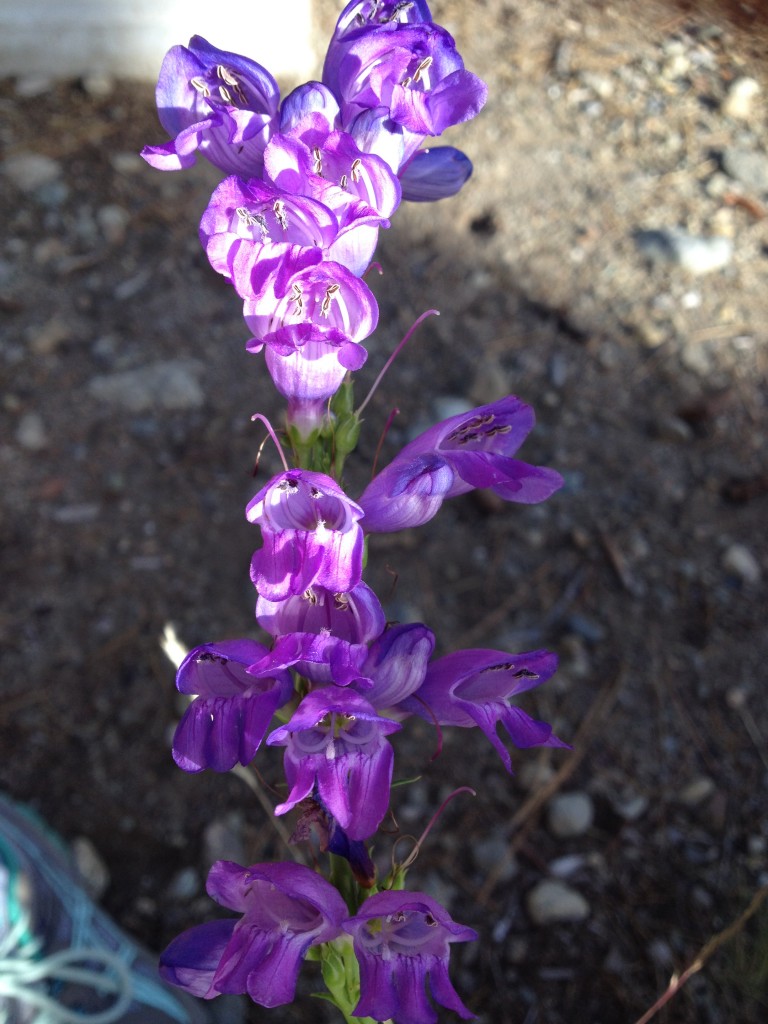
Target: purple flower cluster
(312,179)
(293,227)
(401,940)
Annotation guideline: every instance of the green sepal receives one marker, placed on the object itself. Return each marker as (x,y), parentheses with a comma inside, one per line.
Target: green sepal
(341,974)
(343,402)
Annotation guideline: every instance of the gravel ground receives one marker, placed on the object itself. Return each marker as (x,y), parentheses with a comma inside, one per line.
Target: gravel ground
(607,263)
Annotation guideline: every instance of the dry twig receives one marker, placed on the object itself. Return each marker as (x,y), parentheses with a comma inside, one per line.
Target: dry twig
(706,951)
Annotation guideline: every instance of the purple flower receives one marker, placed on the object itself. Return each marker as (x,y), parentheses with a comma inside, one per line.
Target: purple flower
(365,14)
(286,909)
(306,99)
(219,103)
(335,740)
(311,536)
(356,616)
(248,221)
(474,688)
(311,323)
(360,188)
(294,293)
(226,723)
(397,664)
(471,450)
(402,940)
(320,657)
(435,173)
(411,70)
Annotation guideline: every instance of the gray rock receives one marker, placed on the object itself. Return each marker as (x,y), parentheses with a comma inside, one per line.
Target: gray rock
(113,221)
(170,384)
(31,171)
(695,254)
(570,814)
(128,163)
(449,405)
(740,100)
(30,86)
(491,852)
(31,433)
(534,775)
(553,902)
(74,514)
(740,561)
(747,167)
(48,338)
(564,867)
(223,839)
(99,86)
(672,428)
(696,791)
(185,885)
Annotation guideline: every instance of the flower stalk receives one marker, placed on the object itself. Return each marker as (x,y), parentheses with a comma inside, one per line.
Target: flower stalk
(308,182)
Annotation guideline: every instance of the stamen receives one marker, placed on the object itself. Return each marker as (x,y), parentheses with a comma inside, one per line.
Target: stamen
(278,208)
(226,75)
(398,9)
(317,156)
(231,80)
(354,171)
(201,85)
(297,297)
(330,291)
(343,181)
(225,95)
(424,66)
(252,220)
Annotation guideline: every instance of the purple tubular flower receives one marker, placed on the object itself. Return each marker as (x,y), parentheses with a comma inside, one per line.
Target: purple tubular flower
(250,221)
(311,536)
(358,187)
(435,174)
(467,451)
(320,657)
(309,98)
(328,297)
(356,617)
(397,664)
(402,940)
(226,723)
(286,909)
(336,740)
(364,14)
(414,70)
(329,166)
(219,103)
(474,688)
(375,132)
(311,323)
(358,19)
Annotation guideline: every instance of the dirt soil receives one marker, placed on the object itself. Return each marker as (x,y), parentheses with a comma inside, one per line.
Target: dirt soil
(559,277)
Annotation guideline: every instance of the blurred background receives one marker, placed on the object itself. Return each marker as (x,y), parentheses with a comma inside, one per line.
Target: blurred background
(607,263)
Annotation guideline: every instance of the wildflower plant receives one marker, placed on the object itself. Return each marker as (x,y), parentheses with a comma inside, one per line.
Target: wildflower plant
(307,184)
